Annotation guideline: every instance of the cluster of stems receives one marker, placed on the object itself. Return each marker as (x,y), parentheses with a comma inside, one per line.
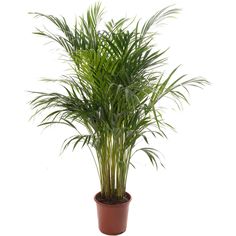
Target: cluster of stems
(113,163)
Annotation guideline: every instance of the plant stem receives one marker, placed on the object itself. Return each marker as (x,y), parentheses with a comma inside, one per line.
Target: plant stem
(113,158)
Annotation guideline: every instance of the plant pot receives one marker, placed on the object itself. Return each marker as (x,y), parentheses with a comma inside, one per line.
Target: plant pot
(112,218)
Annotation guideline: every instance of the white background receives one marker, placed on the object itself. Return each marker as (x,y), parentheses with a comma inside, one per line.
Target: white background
(45,194)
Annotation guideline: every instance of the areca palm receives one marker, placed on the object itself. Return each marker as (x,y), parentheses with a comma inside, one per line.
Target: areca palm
(113,91)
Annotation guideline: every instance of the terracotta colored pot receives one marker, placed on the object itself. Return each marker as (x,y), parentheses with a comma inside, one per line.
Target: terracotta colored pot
(112,218)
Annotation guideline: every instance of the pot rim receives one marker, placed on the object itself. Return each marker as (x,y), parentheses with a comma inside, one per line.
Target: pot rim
(112,205)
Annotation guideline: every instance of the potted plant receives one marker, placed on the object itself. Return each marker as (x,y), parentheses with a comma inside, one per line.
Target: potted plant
(113,90)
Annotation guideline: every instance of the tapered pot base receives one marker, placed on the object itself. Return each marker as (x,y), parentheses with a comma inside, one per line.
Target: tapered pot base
(112,218)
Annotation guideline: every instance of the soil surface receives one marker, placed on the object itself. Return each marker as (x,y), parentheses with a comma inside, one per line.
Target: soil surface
(113,201)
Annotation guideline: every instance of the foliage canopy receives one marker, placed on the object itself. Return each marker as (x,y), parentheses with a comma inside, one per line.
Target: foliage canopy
(113,91)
